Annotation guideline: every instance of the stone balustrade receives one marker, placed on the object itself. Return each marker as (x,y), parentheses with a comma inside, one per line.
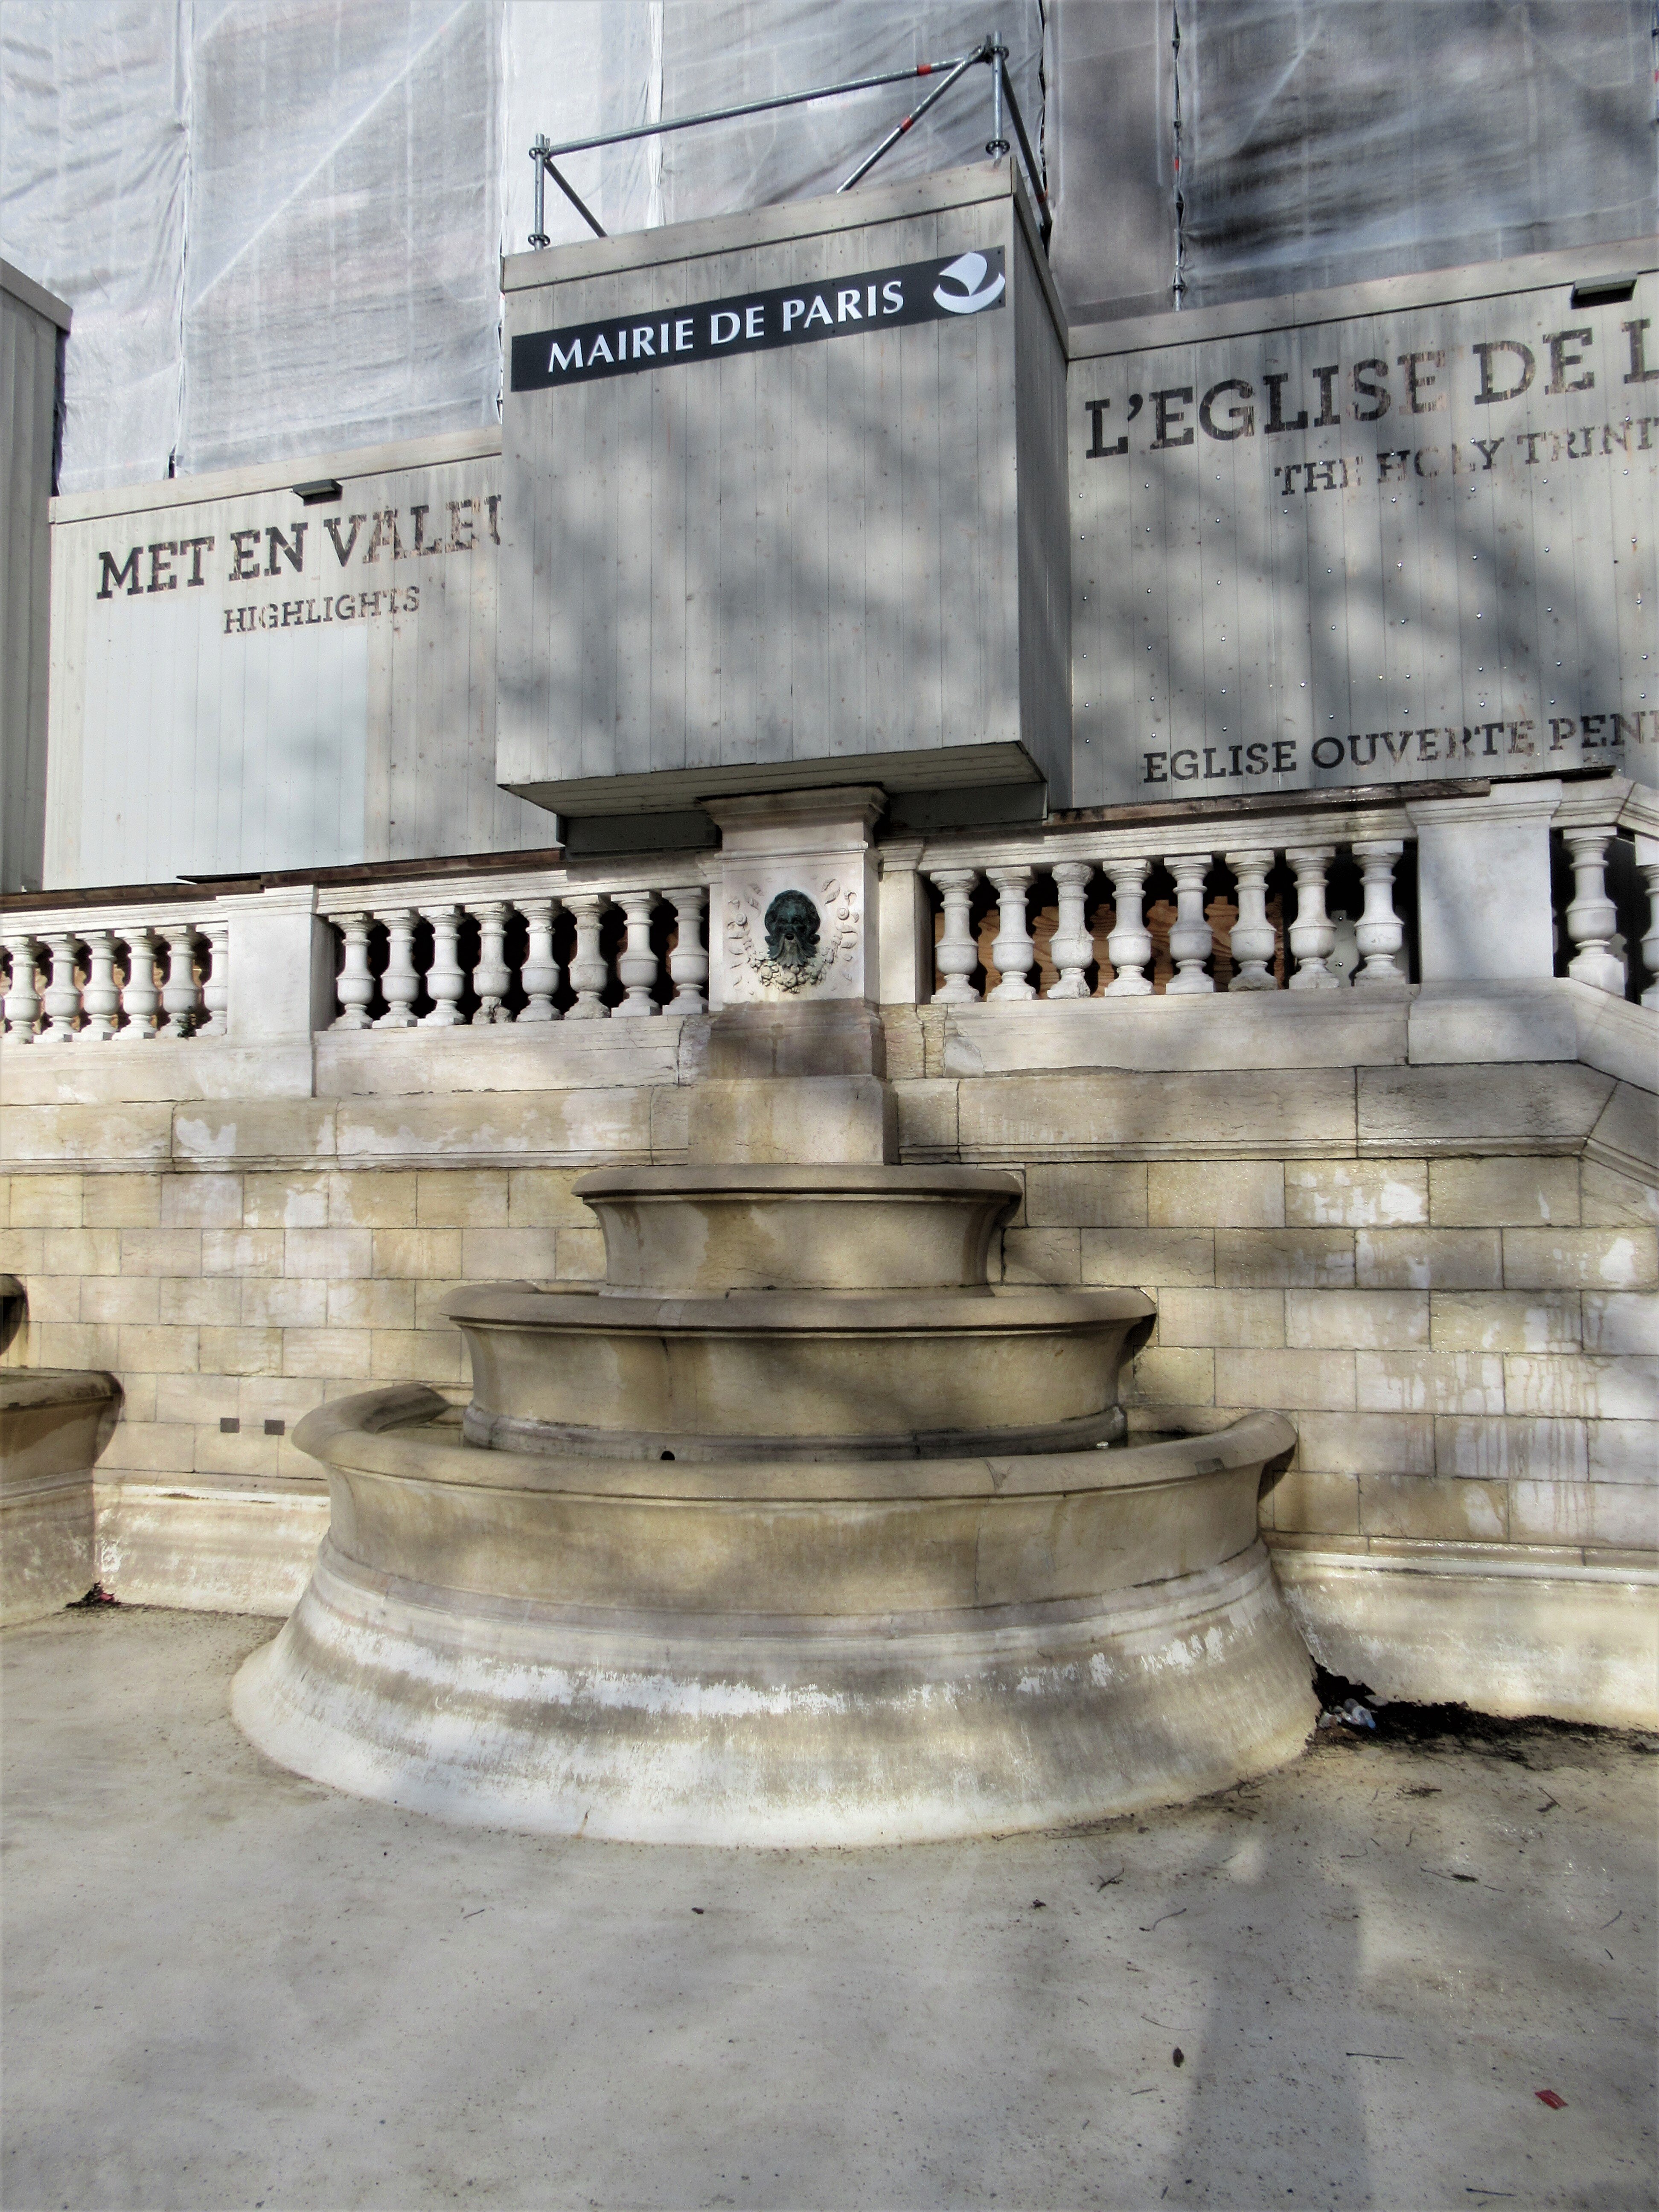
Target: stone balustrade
(116,974)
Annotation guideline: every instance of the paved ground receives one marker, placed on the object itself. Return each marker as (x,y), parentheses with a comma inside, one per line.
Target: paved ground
(224,1986)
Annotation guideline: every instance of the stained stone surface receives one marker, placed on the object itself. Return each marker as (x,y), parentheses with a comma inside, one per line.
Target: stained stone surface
(225,1985)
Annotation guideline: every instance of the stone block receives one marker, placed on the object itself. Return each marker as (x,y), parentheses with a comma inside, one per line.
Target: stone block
(1235,1320)
(1116,1115)
(23,1251)
(1590,1390)
(1371,1320)
(1504,1321)
(1355,1193)
(122,1201)
(249,1452)
(242,1350)
(296,1200)
(198,1301)
(75,1344)
(430,1291)
(149,1447)
(1042,1255)
(1504,1448)
(1160,1376)
(58,1298)
(382,1198)
(262,1398)
(1216,1194)
(493,1254)
(1426,1509)
(1461,1022)
(578,1256)
(1626,1133)
(120,1298)
(1522,1192)
(282,1302)
(840,1119)
(418,1252)
(1428,1382)
(371,1303)
(1366,1444)
(1623,1451)
(1318,1259)
(1590,1513)
(202,1201)
(416,1355)
(298,1129)
(1312,1502)
(1416,1111)
(542,1198)
(138,1397)
(540,1128)
(668,1119)
(1286,1380)
(1608,1259)
(104,1252)
(1428,1259)
(1092,1194)
(1148,1258)
(1617,1322)
(95,1135)
(46,1202)
(1607,1198)
(815,1037)
(242,1251)
(195,1398)
(151,1349)
(927,1126)
(340,1354)
(461,1198)
(332,1255)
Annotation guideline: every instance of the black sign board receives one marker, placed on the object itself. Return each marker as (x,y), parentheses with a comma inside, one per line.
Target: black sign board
(755,322)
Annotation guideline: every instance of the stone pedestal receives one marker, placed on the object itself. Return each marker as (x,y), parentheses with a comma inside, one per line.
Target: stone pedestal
(54,1422)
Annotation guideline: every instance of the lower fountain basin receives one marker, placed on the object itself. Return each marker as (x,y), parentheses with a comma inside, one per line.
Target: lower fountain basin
(844,1651)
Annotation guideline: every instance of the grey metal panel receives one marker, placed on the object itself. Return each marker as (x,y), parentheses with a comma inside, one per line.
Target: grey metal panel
(809,555)
(1452,588)
(28,363)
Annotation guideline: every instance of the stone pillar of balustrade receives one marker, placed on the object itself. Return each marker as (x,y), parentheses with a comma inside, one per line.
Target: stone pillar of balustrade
(22,995)
(61,999)
(588,974)
(492,977)
(1012,950)
(1190,940)
(956,956)
(216,989)
(637,966)
(100,1000)
(1592,918)
(1312,934)
(1483,884)
(354,986)
(1647,861)
(1072,948)
(1129,946)
(687,963)
(1253,941)
(1380,933)
(400,986)
(540,972)
(140,999)
(446,979)
(181,994)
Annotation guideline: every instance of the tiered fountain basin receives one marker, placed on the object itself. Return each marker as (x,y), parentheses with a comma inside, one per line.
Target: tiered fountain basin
(824,1560)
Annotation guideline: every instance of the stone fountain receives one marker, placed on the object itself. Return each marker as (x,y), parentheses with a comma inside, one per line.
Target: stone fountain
(795,1530)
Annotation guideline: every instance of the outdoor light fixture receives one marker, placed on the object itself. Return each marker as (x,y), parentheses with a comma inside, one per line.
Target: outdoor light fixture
(320,493)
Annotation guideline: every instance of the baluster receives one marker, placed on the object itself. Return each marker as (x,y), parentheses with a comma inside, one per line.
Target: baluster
(588,974)
(1072,948)
(215,988)
(100,1000)
(181,994)
(1312,934)
(140,999)
(492,975)
(1252,934)
(444,980)
(956,954)
(22,998)
(1651,943)
(354,986)
(688,963)
(61,999)
(638,965)
(1012,949)
(1129,946)
(1190,940)
(401,983)
(540,972)
(1380,933)
(1591,918)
